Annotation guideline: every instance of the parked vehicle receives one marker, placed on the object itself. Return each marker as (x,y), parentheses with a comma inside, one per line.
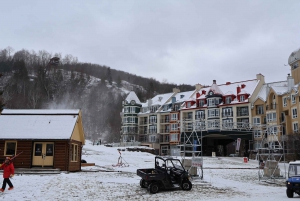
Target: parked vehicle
(293,180)
(167,174)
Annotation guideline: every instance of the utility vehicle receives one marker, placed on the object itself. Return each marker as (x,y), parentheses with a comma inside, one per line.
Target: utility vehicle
(167,174)
(293,180)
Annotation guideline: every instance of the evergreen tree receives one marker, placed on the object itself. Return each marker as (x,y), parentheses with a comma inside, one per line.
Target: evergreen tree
(1,99)
(119,82)
(108,76)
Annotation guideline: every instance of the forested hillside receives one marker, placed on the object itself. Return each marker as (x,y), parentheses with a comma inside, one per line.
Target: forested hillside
(41,80)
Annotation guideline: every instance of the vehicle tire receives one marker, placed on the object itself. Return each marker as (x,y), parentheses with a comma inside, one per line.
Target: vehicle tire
(153,188)
(142,183)
(289,193)
(186,185)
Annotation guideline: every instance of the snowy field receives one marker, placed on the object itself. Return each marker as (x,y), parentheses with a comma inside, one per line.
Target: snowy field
(106,182)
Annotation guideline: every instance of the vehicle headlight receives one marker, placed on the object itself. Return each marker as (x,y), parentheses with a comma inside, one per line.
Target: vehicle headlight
(288,183)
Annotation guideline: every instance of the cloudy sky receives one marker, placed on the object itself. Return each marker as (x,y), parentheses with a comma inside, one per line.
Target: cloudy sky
(186,41)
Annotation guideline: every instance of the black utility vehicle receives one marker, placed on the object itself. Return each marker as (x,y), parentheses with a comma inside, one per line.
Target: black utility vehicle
(167,174)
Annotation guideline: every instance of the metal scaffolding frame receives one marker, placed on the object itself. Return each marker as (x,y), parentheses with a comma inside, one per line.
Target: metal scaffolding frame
(270,153)
(190,147)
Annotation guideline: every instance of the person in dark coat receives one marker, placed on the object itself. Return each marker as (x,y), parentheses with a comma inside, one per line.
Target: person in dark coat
(8,172)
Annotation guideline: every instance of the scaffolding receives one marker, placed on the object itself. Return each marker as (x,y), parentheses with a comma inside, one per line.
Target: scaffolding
(270,153)
(192,148)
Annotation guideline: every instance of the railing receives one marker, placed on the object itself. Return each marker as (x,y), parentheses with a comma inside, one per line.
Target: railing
(165,121)
(151,131)
(187,118)
(164,130)
(152,121)
(242,113)
(143,122)
(271,106)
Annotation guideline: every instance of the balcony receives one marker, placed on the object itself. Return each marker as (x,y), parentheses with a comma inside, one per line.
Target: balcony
(242,113)
(164,130)
(143,122)
(151,131)
(271,106)
(152,121)
(164,138)
(165,121)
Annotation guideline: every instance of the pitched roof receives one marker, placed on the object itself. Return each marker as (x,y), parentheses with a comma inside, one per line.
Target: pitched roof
(132,96)
(38,124)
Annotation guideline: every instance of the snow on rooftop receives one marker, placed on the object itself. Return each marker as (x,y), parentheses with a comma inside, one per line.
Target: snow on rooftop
(37,126)
(40,111)
(132,96)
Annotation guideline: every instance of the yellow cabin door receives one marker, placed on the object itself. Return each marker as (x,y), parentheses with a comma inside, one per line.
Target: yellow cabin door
(43,154)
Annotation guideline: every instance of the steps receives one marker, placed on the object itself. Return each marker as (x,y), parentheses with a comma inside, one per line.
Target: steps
(37,171)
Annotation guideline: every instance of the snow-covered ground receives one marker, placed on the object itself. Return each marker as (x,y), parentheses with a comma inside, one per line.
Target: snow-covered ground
(106,182)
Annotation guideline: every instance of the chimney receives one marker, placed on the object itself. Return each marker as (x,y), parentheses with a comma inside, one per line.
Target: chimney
(291,82)
(260,77)
(214,82)
(203,92)
(197,95)
(238,90)
(149,102)
(176,90)
(243,86)
(228,83)
(198,87)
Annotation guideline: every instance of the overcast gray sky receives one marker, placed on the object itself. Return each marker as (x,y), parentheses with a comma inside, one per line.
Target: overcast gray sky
(187,41)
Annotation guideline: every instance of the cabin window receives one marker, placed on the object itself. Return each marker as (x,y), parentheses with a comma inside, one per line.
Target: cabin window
(74,153)
(10,148)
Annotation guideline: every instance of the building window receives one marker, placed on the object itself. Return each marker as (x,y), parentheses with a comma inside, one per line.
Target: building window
(228,100)
(259,109)
(174,138)
(74,153)
(256,120)
(295,127)
(164,150)
(202,103)
(257,133)
(174,127)
(200,114)
(227,112)
(188,104)
(293,98)
(284,100)
(10,148)
(174,116)
(213,113)
(152,119)
(271,117)
(211,102)
(152,138)
(242,98)
(294,113)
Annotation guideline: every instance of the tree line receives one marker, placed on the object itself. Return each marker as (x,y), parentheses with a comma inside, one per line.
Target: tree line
(35,80)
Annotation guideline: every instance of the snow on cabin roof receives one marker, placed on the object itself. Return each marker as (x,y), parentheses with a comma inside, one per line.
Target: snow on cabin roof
(160,99)
(40,111)
(132,96)
(38,126)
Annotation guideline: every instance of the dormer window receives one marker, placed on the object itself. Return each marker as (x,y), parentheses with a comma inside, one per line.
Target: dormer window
(228,100)
(242,98)
(188,104)
(202,103)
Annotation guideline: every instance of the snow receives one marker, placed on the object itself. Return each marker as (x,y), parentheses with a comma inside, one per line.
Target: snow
(37,126)
(106,182)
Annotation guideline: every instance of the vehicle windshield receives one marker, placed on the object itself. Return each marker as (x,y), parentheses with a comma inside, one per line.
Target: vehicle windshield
(294,170)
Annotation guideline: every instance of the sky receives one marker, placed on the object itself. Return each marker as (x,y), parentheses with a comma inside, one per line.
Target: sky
(174,41)
(224,178)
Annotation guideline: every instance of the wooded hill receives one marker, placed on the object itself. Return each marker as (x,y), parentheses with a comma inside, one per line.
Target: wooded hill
(34,80)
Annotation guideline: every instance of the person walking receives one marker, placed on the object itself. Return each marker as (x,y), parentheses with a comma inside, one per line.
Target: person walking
(8,172)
